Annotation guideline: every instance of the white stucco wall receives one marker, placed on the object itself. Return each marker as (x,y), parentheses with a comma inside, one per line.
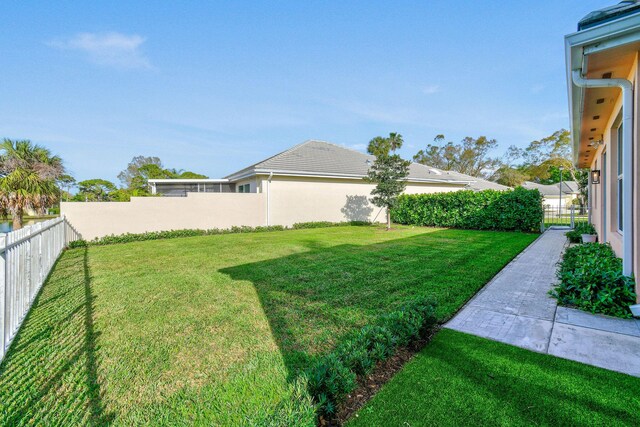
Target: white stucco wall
(311,199)
(286,199)
(141,214)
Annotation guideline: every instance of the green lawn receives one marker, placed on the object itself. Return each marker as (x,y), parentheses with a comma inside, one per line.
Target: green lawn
(212,330)
(459,379)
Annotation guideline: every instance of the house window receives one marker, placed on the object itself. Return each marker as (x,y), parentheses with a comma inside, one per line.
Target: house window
(244,188)
(620,178)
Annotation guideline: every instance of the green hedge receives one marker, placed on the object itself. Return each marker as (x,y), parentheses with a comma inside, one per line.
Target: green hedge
(172,234)
(591,279)
(575,235)
(333,376)
(515,210)
(325,224)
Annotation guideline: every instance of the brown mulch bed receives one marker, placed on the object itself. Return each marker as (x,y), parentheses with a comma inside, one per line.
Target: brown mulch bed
(368,386)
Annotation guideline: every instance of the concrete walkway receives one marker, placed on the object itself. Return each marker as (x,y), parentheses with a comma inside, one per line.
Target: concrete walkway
(515,308)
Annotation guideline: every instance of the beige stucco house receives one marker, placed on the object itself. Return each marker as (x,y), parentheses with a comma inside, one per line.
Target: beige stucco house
(312,159)
(313,181)
(602,74)
(325,180)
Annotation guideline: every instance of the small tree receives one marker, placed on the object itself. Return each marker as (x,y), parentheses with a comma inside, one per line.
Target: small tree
(95,190)
(471,156)
(388,172)
(66,183)
(127,176)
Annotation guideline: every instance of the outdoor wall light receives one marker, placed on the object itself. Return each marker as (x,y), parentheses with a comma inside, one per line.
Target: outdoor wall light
(597,143)
(595,176)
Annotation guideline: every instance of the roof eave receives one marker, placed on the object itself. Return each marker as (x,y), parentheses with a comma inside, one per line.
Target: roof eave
(255,172)
(186,180)
(582,43)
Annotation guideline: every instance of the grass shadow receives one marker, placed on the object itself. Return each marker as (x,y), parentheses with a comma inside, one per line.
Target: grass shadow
(470,380)
(57,347)
(313,299)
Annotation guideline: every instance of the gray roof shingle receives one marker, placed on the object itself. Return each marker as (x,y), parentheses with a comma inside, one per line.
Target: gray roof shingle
(571,187)
(323,158)
(568,187)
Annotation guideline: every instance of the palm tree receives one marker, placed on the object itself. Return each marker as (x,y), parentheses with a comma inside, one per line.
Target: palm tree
(28,174)
(395,141)
(384,146)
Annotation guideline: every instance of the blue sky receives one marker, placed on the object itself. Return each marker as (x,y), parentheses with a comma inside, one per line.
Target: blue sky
(214,86)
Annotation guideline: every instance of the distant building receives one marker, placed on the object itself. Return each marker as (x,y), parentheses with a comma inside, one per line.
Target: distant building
(180,187)
(313,181)
(553,196)
(318,162)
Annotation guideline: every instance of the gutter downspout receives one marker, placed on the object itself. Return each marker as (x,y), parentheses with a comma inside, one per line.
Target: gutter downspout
(589,204)
(627,163)
(269,199)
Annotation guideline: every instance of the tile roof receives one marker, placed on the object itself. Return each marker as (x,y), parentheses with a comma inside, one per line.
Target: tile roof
(609,13)
(321,158)
(571,187)
(568,187)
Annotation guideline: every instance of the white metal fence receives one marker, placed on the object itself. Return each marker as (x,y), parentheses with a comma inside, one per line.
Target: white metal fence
(567,216)
(26,258)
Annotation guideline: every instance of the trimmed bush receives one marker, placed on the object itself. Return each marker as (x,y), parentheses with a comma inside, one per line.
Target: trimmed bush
(575,235)
(516,210)
(158,235)
(591,279)
(333,376)
(329,381)
(77,244)
(172,234)
(325,224)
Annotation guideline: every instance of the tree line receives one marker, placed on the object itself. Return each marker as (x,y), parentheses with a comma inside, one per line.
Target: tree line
(32,179)
(542,161)
(134,182)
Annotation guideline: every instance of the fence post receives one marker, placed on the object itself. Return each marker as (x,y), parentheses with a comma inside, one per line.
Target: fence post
(40,264)
(573,216)
(542,219)
(3,294)
(27,263)
(26,257)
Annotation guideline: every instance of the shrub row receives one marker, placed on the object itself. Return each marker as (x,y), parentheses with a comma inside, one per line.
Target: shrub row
(575,235)
(157,235)
(591,279)
(325,224)
(516,210)
(333,376)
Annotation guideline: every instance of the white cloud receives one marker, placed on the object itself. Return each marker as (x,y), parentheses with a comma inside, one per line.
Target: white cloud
(431,89)
(110,49)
